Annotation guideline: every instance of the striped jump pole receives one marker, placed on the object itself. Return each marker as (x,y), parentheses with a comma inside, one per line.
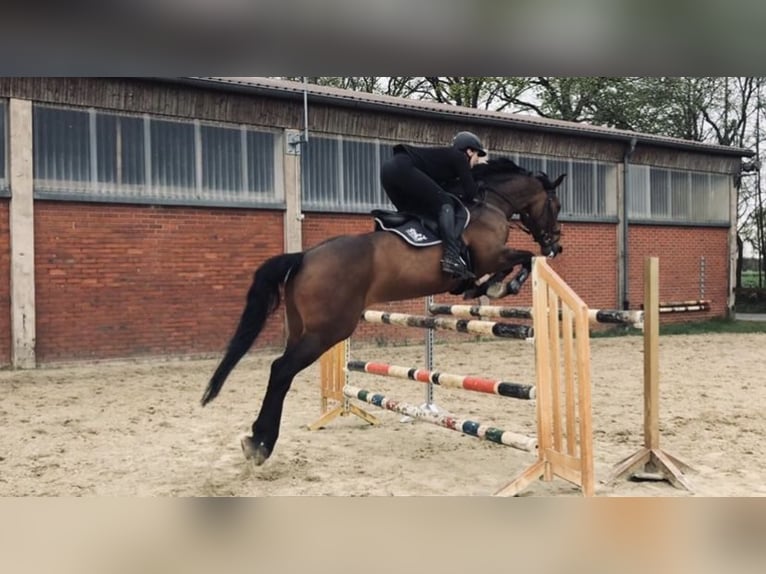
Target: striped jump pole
(492,328)
(617,317)
(684,306)
(467,427)
(610,316)
(482,311)
(447,380)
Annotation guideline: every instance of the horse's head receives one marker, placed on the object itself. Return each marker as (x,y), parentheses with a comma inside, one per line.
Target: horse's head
(533,197)
(541,217)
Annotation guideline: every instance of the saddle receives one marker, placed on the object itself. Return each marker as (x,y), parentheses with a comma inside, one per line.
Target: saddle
(420,231)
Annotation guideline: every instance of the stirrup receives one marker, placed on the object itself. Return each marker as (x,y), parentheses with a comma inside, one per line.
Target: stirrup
(457,269)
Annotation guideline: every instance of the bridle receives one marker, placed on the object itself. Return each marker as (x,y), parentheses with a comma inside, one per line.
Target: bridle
(546,238)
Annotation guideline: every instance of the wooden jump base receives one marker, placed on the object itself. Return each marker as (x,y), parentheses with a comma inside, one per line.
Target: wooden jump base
(333,377)
(465,426)
(657,464)
(493,328)
(562,371)
(478,384)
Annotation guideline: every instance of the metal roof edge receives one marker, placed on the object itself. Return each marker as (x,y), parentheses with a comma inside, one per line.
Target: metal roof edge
(391,104)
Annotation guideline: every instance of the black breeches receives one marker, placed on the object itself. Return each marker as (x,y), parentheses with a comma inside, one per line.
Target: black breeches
(411,190)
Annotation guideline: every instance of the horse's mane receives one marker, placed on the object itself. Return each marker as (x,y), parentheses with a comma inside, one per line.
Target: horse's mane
(506,166)
(498,166)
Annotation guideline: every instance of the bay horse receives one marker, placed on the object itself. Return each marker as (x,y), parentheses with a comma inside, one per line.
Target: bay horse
(327,287)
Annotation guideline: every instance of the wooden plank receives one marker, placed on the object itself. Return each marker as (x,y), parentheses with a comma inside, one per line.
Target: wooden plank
(564,291)
(672,473)
(327,417)
(565,466)
(585,407)
(555,367)
(542,362)
(523,480)
(630,464)
(651,353)
(569,383)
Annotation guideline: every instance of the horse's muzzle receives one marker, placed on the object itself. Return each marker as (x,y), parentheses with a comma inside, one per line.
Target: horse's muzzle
(552,250)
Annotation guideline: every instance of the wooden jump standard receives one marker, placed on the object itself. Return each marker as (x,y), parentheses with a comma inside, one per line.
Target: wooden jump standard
(562,371)
(656,463)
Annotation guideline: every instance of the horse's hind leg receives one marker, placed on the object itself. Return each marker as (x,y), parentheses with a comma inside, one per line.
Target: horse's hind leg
(296,357)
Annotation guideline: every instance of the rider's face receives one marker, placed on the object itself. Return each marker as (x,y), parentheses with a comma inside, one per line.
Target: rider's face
(473,157)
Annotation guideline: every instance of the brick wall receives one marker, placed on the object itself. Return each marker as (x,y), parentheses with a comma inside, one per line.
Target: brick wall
(122,281)
(5,284)
(680,250)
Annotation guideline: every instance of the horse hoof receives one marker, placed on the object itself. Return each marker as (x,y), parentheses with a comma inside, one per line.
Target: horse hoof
(257,453)
(496,290)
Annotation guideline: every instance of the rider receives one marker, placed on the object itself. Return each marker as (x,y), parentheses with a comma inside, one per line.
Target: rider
(414,180)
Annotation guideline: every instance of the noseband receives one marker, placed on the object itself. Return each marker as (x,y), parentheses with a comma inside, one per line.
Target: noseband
(544,237)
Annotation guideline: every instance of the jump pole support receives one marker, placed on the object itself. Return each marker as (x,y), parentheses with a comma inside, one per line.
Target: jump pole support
(651,462)
(333,375)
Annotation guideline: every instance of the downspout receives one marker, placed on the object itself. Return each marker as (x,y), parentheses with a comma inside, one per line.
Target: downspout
(625,245)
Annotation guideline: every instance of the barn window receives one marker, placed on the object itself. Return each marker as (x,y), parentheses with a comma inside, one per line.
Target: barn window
(589,190)
(62,148)
(120,151)
(677,196)
(343,174)
(96,155)
(3,147)
(259,158)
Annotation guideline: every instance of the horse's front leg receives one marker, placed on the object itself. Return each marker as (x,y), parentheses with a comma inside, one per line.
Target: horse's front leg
(497,289)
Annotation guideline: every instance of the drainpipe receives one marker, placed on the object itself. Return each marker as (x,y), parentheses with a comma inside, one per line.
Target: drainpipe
(625,245)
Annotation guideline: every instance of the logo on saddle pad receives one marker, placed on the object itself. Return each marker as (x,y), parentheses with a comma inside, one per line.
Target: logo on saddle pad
(416,235)
(413,232)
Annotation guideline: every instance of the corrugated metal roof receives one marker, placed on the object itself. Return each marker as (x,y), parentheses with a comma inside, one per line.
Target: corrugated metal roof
(391,104)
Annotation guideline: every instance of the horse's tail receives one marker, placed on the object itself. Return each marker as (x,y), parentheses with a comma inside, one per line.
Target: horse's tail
(262,301)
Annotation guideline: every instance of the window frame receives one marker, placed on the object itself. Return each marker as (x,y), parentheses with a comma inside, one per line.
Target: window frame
(152,193)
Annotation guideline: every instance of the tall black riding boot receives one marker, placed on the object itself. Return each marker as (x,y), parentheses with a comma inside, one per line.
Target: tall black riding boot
(451,262)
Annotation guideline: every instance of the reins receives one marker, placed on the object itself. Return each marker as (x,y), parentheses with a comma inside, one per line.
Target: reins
(511,223)
(521,225)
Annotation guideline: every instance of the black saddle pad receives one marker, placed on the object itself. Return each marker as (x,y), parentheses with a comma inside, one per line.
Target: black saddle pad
(415,230)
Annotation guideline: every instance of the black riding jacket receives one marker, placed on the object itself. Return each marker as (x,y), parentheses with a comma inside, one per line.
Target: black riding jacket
(444,165)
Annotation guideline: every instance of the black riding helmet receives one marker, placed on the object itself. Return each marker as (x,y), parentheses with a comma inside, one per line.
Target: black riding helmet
(465,140)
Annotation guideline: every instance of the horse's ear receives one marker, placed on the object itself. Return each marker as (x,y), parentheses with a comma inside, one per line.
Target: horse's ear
(558,181)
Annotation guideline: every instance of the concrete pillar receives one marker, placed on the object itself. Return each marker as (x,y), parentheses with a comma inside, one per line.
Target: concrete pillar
(733,253)
(291,164)
(622,247)
(22,227)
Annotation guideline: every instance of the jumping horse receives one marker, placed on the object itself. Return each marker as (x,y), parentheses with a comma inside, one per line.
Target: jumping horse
(327,287)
